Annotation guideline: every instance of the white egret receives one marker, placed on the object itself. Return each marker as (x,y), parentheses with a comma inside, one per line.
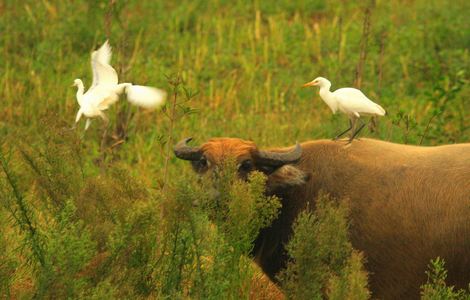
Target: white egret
(105,89)
(349,101)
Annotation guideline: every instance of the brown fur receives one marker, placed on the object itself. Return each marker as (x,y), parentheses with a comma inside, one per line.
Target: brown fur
(408,205)
(216,150)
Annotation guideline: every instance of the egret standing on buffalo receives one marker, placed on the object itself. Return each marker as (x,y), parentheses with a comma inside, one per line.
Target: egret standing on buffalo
(105,89)
(349,101)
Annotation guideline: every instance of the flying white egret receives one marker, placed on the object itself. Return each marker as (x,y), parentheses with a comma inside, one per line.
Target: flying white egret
(349,101)
(105,89)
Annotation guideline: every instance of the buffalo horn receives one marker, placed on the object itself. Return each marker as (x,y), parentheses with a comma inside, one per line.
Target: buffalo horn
(183,151)
(277,159)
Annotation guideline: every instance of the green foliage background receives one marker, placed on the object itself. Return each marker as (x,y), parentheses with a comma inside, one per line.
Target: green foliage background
(105,199)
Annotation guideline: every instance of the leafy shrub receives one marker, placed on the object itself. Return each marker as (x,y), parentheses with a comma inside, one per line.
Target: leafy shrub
(114,236)
(8,263)
(68,249)
(323,262)
(436,289)
(239,210)
(62,194)
(57,242)
(352,281)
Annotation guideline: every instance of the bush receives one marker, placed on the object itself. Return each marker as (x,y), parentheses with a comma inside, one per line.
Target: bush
(323,262)
(239,210)
(8,263)
(113,236)
(436,288)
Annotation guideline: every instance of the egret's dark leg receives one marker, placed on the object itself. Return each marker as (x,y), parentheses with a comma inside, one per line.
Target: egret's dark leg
(373,124)
(357,131)
(342,133)
(70,128)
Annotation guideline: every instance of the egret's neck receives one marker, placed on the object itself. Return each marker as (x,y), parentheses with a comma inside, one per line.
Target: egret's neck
(80,89)
(325,85)
(328,97)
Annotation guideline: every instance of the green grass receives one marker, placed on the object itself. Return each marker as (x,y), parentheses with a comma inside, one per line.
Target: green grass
(245,61)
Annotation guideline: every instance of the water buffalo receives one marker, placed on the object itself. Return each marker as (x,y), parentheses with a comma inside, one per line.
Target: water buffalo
(408,204)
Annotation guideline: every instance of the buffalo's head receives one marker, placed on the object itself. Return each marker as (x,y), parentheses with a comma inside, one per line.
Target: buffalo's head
(279,166)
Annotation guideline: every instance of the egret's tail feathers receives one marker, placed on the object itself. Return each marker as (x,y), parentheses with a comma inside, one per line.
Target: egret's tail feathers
(380,110)
(145,96)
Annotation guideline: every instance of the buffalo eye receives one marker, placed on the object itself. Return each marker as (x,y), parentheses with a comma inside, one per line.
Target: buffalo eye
(246,166)
(267,169)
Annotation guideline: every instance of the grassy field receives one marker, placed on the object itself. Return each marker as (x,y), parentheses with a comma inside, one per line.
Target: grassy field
(241,65)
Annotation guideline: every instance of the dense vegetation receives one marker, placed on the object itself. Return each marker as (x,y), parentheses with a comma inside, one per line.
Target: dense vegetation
(111,212)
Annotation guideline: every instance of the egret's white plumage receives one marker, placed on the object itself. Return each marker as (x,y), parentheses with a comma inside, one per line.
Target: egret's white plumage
(106,89)
(349,101)
(145,96)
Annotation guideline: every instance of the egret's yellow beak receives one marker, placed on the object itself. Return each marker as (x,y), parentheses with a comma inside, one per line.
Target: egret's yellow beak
(311,83)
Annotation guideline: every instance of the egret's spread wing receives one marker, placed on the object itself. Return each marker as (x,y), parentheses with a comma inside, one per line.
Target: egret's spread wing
(105,75)
(120,88)
(98,95)
(103,54)
(353,100)
(108,101)
(145,96)
(103,72)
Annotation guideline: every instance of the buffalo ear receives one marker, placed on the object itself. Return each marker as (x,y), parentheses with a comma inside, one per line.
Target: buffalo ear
(286,176)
